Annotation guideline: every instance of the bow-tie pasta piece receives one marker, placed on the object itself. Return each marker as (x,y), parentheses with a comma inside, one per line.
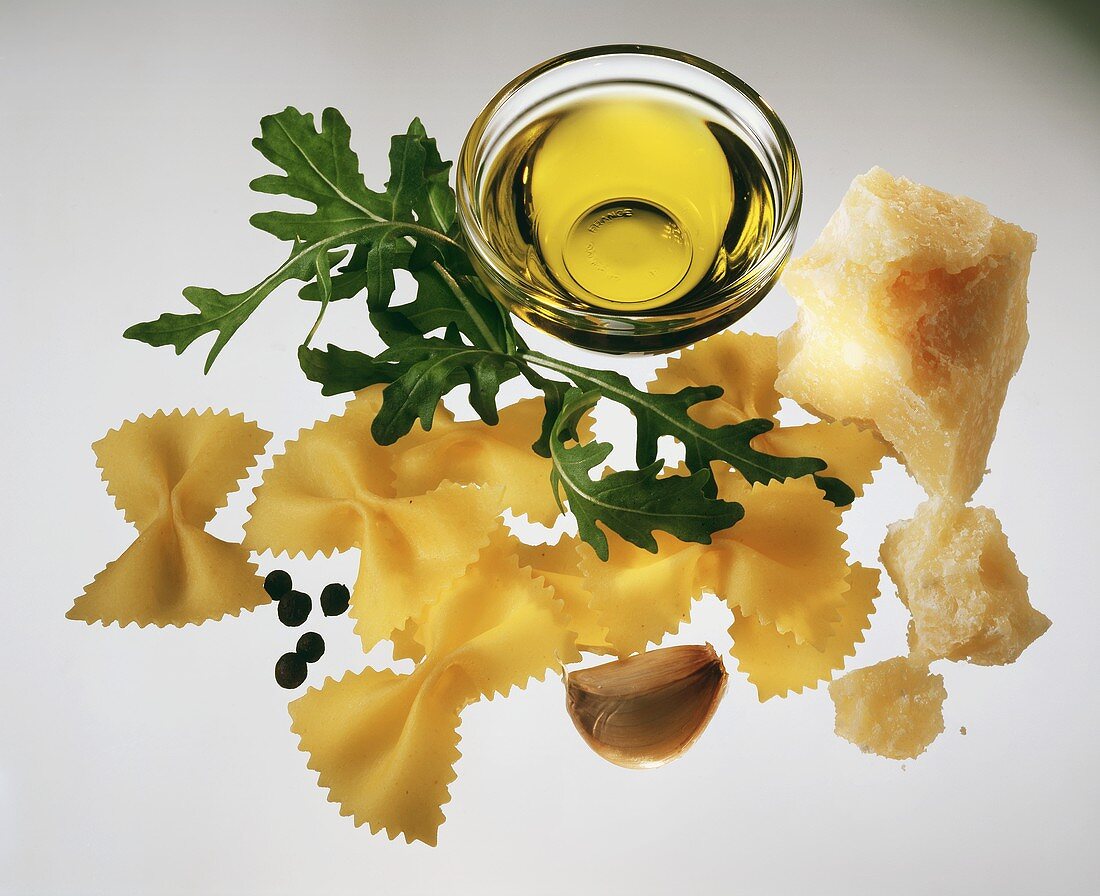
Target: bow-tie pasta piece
(853,455)
(169,474)
(333,489)
(785,562)
(559,566)
(309,501)
(384,744)
(777,664)
(640,596)
(893,708)
(412,549)
(474,452)
(745,365)
(960,580)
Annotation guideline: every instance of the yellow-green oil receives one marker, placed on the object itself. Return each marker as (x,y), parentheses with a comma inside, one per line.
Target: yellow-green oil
(631,200)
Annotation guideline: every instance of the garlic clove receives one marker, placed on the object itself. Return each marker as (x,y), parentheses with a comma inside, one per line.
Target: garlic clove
(647,709)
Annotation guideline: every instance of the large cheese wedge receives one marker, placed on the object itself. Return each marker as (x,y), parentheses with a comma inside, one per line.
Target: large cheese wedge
(912,319)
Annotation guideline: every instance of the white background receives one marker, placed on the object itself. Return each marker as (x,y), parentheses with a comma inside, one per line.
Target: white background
(147,762)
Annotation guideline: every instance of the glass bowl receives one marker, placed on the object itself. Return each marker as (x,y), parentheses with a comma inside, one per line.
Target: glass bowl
(726,294)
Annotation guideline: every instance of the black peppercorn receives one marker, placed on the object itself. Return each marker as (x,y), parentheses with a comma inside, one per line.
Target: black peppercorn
(290,671)
(277,583)
(294,608)
(311,647)
(335,599)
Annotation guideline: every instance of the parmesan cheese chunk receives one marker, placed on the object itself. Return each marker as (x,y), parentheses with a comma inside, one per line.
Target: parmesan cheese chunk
(894,708)
(912,319)
(955,571)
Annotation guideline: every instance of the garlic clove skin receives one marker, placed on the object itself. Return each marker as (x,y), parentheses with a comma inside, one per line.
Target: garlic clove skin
(646,710)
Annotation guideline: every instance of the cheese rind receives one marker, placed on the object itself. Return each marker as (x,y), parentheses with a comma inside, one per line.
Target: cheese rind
(893,708)
(955,571)
(912,319)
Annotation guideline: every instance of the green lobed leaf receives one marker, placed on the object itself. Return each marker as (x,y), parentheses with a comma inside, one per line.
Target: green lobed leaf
(224,313)
(339,370)
(436,207)
(443,300)
(430,367)
(321,168)
(632,503)
(659,415)
(348,281)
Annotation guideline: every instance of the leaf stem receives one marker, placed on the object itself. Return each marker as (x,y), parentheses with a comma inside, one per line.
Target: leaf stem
(479,321)
(324,281)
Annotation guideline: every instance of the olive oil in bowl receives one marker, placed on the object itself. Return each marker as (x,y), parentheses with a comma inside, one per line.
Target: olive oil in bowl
(625,213)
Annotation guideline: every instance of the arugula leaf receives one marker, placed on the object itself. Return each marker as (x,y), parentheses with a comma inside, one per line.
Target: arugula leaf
(348,281)
(659,415)
(339,370)
(420,371)
(321,168)
(224,313)
(419,181)
(435,204)
(443,300)
(633,503)
(554,393)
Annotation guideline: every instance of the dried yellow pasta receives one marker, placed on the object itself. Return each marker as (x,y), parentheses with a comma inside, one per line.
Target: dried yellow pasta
(639,596)
(777,664)
(474,452)
(333,489)
(745,365)
(559,566)
(853,455)
(784,564)
(384,744)
(169,474)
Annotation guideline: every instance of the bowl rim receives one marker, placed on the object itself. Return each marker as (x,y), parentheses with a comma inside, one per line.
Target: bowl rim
(466,172)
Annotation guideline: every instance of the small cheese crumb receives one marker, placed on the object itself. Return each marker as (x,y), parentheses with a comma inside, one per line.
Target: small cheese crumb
(962,730)
(912,310)
(955,571)
(894,708)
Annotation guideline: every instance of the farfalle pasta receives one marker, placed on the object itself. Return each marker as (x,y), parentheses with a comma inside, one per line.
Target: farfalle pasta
(559,566)
(640,596)
(784,564)
(333,489)
(853,454)
(474,452)
(384,744)
(169,474)
(744,364)
(777,664)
